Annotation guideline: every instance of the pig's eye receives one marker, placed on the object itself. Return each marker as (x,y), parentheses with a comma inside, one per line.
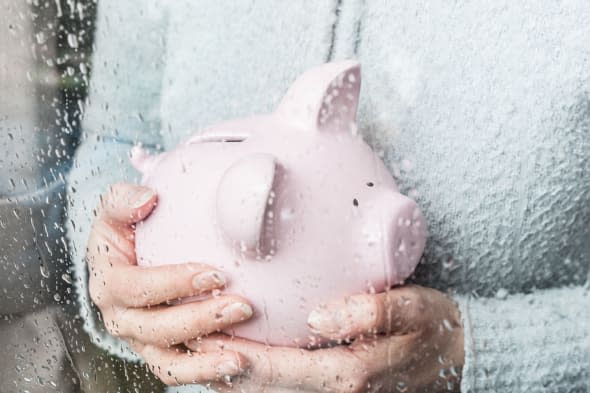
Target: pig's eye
(370,184)
(211,138)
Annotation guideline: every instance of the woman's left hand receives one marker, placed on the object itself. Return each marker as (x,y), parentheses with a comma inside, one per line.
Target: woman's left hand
(408,339)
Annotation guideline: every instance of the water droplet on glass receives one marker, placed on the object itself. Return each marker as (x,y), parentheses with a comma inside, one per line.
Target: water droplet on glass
(447,325)
(40,37)
(72,40)
(287,214)
(401,387)
(67,278)
(44,271)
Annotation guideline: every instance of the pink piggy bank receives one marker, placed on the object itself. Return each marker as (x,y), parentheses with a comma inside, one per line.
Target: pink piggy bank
(293,207)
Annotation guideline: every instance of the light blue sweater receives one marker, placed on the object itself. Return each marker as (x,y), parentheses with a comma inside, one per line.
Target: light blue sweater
(481,111)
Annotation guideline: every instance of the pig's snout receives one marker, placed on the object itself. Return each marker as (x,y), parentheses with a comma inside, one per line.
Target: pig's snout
(393,232)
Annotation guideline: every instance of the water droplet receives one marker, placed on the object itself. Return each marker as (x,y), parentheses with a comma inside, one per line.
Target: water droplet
(44,271)
(40,37)
(67,278)
(287,214)
(447,325)
(72,40)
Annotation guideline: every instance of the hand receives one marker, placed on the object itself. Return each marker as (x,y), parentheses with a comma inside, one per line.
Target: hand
(408,339)
(133,300)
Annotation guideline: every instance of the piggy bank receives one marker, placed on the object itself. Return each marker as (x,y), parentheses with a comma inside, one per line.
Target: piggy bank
(292,206)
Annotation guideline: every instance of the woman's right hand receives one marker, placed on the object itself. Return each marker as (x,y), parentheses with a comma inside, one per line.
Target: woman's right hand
(133,300)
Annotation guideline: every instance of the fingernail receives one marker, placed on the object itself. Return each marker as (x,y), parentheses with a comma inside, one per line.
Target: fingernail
(142,198)
(237,312)
(229,367)
(208,280)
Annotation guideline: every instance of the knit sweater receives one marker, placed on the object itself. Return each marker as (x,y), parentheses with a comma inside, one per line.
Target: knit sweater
(482,113)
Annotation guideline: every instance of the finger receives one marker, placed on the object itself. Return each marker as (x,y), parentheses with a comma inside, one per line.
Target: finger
(126,204)
(111,239)
(396,311)
(177,367)
(330,370)
(165,326)
(133,286)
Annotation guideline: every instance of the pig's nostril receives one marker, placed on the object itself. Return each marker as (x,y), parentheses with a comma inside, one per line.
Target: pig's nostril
(355,202)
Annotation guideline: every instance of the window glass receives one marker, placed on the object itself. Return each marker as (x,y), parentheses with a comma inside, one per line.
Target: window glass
(192,200)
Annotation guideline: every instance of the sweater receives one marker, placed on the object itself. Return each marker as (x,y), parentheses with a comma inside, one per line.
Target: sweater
(481,112)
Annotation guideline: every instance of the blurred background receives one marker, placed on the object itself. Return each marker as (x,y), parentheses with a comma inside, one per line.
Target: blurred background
(45,65)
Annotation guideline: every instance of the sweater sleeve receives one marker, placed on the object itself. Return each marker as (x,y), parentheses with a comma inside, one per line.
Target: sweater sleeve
(123,110)
(527,343)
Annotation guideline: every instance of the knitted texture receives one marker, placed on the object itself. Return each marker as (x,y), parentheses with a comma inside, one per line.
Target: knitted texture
(482,113)
(527,343)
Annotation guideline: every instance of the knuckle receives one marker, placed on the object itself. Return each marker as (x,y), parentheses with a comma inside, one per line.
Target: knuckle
(167,379)
(129,293)
(417,305)
(347,373)
(155,364)
(126,287)
(164,374)
(412,303)
(357,381)
(115,325)
(143,289)
(112,327)
(97,294)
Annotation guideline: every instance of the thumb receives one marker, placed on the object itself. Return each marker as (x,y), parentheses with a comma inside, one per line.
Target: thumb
(397,311)
(112,232)
(126,204)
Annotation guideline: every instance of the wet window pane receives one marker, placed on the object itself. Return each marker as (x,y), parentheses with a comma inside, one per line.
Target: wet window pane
(190,196)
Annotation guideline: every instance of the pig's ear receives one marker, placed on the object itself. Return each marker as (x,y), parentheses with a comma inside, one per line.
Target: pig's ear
(243,198)
(324,98)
